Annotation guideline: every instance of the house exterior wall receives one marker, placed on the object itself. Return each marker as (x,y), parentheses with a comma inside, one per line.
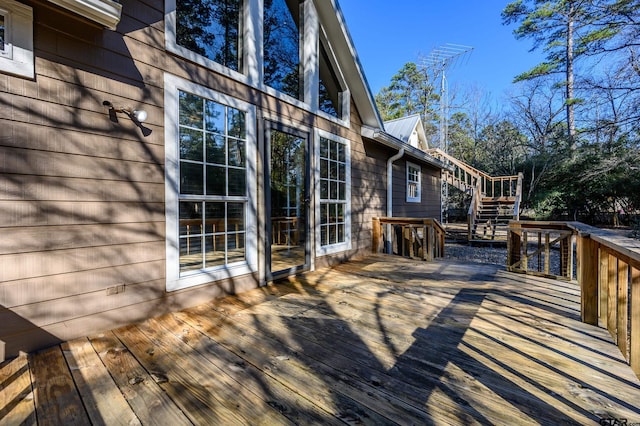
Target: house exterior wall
(82,198)
(429,206)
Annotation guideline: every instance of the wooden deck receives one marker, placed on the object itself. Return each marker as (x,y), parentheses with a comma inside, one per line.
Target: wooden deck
(380,341)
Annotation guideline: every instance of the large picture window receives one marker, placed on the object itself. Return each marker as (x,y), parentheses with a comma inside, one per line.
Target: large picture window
(212,29)
(282,46)
(414,178)
(334,193)
(210,200)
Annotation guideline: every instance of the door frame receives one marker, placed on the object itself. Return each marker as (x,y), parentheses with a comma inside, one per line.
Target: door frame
(308,207)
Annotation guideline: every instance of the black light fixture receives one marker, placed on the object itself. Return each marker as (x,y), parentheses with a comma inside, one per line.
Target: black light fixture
(137,115)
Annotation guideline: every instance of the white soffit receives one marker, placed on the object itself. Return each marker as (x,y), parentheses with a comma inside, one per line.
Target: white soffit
(104,12)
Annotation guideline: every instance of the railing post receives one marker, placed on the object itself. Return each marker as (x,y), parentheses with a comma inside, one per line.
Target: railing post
(588,278)
(376,235)
(622,327)
(634,357)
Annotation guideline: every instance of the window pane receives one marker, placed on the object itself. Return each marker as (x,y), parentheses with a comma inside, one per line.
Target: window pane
(341,238)
(324,213)
(236,152)
(214,117)
(214,251)
(324,189)
(190,144)
(190,218)
(236,247)
(333,190)
(237,127)
(282,46)
(324,147)
(2,36)
(216,181)
(190,110)
(235,214)
(237,182)
(329,89)
(190,253)
(324,237)
(214,217)
(212,29)
(324,169)
(191,178)
(215,149)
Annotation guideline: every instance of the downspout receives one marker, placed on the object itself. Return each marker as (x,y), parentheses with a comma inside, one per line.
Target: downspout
(390,161)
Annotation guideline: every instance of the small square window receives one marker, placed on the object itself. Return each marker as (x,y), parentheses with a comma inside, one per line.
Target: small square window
(16,39)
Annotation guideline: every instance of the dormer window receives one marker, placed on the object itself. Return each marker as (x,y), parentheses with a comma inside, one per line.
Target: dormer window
(211,29)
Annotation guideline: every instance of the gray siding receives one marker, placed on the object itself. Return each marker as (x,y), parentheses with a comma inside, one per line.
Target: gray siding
(429,207)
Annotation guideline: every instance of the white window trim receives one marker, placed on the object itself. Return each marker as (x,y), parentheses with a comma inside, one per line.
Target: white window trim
(172,169)
(340,247)
(253,58)
(17,56)
(104,12)
(418,197)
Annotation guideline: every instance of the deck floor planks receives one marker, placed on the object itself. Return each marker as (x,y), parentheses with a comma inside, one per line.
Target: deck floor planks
(379,341)
(291,404)
(100,395)
(301,374)
(233,395)
(56,397)
(148,400)
(16,395)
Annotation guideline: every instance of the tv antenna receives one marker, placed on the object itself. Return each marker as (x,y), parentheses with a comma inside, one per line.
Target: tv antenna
(440,60)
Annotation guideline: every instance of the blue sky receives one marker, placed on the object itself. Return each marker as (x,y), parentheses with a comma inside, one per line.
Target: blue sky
(389,34)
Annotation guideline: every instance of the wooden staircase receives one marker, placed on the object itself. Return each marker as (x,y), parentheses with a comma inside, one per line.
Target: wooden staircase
(495,199)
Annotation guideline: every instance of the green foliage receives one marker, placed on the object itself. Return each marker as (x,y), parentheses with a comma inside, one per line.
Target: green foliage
(411,92)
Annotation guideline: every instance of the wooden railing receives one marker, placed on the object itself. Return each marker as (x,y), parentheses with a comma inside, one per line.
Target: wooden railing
(467,178)
(410,237)
(608,272)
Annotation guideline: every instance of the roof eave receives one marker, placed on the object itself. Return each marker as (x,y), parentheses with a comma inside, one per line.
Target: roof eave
(391,141)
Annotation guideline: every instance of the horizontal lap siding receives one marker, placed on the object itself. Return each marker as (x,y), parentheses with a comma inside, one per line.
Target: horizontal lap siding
(82,197)
(429,207)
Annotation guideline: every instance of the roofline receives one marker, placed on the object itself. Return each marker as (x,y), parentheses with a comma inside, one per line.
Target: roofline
(391,141)
(359,85)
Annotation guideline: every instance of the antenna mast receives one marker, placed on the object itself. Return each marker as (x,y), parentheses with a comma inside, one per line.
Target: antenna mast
(439,60)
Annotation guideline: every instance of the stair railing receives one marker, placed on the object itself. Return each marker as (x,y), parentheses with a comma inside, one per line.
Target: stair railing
(465,177)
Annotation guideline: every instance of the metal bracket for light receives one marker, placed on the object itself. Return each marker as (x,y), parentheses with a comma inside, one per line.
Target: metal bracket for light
(137,115)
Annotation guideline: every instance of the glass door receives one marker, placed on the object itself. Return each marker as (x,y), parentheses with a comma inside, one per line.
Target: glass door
(288,203)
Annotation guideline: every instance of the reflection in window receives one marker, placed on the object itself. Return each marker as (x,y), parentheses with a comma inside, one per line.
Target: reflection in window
(282,46)
(213,187)
(211,28)
(330,90)
(2,32)
(333,192)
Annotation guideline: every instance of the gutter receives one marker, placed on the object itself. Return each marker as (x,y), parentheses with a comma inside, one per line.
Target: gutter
(397,156)
(390,141)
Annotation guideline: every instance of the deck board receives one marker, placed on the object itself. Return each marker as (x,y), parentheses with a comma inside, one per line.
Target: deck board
(378,341)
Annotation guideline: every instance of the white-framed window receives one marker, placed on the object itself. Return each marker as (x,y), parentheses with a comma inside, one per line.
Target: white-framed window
(414,183)
(210,149)
(16,39)
(271,46)
(333,193)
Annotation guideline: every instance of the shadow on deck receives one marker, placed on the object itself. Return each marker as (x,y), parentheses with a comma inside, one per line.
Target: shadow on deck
(384,340)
